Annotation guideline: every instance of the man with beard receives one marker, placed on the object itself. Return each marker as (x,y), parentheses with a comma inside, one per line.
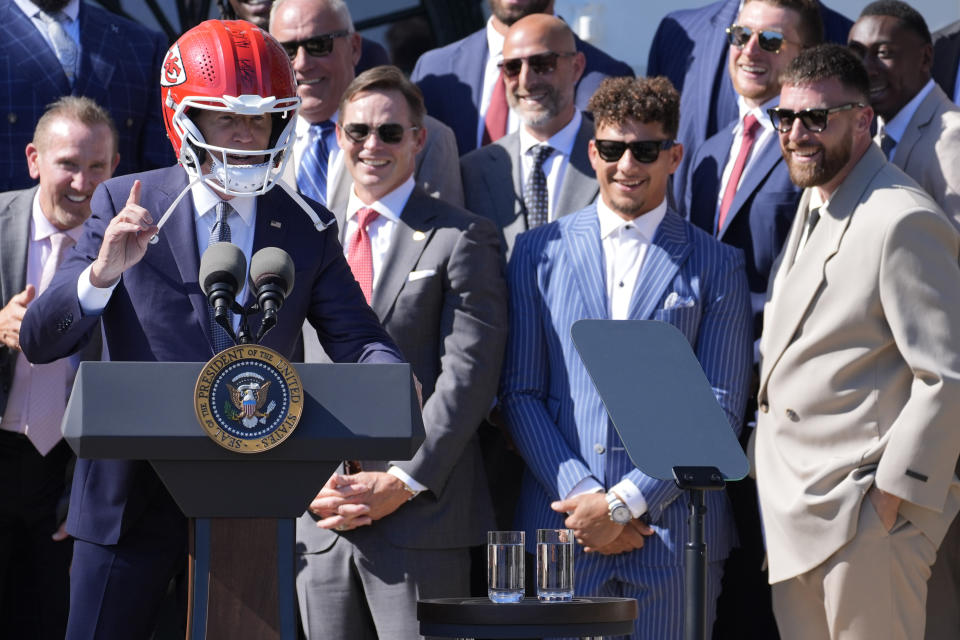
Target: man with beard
(53,48)
(546,159)
(856,439)
(461,81)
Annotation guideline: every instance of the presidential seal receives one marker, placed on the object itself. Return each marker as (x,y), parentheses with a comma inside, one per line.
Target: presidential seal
(248,398)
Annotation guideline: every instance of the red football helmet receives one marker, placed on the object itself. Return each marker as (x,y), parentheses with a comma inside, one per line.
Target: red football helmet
(237,67)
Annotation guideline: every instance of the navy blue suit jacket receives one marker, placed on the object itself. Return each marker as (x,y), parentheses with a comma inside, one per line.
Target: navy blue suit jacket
(119,68)
(760,215)
(690,48)
(158,312)
(451,79)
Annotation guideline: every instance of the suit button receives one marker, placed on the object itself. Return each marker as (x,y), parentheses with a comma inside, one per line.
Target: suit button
(599,448)
(792,415)
(12,118)
(764,407)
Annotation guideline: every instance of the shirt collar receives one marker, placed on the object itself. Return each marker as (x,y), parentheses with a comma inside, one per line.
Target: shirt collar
(41,229)
(72,10)
(389,206)
(561,141)
(204,201)
(897,126)
(646,224)
(760,113)
(494,41)
(302,126)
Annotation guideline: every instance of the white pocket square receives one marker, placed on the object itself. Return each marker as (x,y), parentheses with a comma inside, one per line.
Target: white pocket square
(674,301)
(419,275)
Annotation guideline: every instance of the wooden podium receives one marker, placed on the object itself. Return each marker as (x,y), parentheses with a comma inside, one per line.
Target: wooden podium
(242,506)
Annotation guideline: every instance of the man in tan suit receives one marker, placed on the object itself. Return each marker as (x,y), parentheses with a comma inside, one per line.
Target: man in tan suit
(859,396)
(919,130)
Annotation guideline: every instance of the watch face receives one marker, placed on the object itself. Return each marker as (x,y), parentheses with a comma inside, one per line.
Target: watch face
(620,514)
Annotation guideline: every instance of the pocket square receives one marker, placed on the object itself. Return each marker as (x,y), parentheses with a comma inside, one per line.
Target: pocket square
(419,275)
(674,301)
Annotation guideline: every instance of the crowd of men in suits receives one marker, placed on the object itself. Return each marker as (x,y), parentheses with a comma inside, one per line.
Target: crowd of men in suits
(783,188)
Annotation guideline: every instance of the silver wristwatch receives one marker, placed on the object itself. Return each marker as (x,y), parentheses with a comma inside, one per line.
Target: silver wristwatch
(618,511)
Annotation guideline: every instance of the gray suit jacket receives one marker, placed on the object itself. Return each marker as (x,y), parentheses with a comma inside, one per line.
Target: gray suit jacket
(860,369)
(487,172)
(15,211)
(437,170)
(930,151)
(442,298)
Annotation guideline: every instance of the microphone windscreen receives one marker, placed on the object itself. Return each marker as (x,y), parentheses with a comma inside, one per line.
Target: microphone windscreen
(222,262)
(274,266)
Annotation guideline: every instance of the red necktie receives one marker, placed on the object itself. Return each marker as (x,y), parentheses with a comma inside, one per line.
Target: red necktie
(360,253)
(495,124)
(750,128)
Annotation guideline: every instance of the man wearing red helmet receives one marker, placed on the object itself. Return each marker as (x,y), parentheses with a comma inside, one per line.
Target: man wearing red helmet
(229,99)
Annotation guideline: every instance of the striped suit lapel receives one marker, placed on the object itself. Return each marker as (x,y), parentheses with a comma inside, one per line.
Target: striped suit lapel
(581,246)
(670,247)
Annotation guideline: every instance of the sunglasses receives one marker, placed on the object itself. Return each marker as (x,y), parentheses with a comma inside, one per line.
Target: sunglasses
(317,46)
(645,151)
(390,133)
(540,64)
(739,36)
(815,120)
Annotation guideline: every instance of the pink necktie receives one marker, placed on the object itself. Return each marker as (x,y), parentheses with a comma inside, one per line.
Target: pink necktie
(495,124)
(750,128)
(48,382)
(360,253)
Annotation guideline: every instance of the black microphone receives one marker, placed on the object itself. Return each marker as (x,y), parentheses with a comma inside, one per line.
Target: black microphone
(222,269)
(271,270)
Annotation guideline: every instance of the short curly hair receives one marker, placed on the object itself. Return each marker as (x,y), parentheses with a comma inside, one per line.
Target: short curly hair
(617,100)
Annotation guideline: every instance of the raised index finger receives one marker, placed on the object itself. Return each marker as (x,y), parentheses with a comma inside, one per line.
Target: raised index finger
(134,197)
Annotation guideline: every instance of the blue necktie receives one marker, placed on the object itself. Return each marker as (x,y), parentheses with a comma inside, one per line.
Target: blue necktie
(220,233)
(535,195)
(312,172)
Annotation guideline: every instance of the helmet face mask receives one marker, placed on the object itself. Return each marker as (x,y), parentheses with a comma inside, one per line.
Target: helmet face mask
(258,80)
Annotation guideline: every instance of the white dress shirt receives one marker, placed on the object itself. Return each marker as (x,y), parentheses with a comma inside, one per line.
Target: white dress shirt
(897,126)
(38,252)
(764,137)
(555,166)
(93,300)
(490,75)
(619,236)
(381,233)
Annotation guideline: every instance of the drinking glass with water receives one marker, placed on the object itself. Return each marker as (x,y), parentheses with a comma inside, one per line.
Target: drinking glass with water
(555,565)
(505,579)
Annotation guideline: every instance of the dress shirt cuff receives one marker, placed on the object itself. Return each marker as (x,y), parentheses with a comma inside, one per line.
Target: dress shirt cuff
(406,479)
(631,496)
(587,485)
(93,300)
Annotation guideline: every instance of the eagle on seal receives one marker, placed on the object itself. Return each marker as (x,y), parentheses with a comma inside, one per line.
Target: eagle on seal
(248,399)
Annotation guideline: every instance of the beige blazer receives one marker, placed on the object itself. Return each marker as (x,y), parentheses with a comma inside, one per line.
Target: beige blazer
(930,151)
(860,368)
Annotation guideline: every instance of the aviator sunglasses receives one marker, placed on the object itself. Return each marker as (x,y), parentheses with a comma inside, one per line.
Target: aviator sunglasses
(390,133)
(739,36)
(540,64)
(645,151)
(317,46)
(815,120)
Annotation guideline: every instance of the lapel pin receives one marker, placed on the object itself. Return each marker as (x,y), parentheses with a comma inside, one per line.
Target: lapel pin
(419,236)
(275,224)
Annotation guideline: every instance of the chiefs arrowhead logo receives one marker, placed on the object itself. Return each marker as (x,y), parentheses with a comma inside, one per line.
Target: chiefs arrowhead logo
(172,73)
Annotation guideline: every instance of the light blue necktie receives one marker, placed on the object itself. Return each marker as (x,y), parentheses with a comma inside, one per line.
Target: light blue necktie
(312,172)
(63,45)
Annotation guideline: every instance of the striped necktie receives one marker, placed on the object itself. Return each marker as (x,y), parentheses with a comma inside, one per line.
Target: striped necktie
(535,195)
(220,233)
(314,164)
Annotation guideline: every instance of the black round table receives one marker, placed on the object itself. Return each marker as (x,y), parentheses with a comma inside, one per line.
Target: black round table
(530,618)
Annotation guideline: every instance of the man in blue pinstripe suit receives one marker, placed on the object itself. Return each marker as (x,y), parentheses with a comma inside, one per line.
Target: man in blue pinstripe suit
(628,256)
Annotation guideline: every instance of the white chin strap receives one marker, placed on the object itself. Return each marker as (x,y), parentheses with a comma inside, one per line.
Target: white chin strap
(239,179)
(318,224)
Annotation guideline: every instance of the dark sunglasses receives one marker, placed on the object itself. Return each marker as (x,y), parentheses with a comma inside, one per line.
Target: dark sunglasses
(540,64)
(645,151)
(390,133)
(815,120)
(317,46)
(739,36)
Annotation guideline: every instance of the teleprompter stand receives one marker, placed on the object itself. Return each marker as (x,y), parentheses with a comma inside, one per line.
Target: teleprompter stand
(671,425)
(243,506)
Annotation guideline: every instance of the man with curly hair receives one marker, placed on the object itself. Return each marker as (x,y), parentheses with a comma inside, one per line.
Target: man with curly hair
(627,256)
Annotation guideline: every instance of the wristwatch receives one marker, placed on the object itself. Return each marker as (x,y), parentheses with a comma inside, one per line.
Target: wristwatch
(618,511)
